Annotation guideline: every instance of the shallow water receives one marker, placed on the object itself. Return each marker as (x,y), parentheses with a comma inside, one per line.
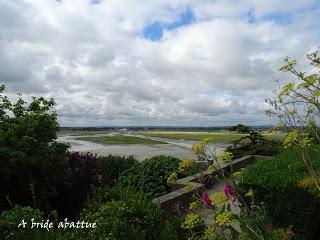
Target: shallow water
(175,148)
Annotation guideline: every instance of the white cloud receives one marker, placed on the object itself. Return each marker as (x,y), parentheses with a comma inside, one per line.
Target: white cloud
(94,60)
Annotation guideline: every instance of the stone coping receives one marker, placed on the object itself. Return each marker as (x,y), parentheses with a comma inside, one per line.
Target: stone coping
(178,200)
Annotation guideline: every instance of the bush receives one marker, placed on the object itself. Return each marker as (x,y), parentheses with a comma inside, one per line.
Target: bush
(275,183)
(127,214)
(9,221)
(269,148)
(112,166)
(150,175)
(239,128)
(86,172)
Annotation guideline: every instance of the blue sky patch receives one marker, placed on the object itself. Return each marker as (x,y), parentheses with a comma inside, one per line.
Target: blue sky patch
(154,31)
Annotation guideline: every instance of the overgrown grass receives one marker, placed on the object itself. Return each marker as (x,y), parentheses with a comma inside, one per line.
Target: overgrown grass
(121,139)
(218,136)
(277,183)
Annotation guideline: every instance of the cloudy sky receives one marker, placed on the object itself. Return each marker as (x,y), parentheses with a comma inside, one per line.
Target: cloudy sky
(153,62)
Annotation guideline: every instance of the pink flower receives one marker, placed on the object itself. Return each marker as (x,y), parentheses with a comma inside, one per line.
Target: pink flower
(205,198)
(230,193)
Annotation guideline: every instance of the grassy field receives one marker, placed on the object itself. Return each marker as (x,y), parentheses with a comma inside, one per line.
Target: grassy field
(80,132)
(218,136)
(121,139)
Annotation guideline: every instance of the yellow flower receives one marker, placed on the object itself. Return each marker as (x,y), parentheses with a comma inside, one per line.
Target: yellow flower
(305,142)
(226,156)
(223,219)
(197,148)
(193,205)
(185,164)
(218,198)
(172,178)
(291,138)
(192,221)
(249,193)
(190,187)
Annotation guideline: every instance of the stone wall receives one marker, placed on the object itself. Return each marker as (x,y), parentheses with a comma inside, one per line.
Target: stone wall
(178,200)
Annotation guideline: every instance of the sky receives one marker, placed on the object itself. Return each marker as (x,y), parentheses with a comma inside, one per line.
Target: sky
(155,62)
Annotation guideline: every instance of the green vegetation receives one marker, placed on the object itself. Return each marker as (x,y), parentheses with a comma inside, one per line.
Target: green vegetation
(217,136)
(150,176)
(121,139)
(128,214)
(240,128)
(33,165)
(63,132)
(254,144)
(286,190)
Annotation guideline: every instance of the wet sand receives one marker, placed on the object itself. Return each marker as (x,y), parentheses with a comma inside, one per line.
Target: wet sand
(175,148)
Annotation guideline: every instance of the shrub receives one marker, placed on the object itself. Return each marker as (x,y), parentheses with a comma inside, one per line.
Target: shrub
(269,148)
(275,183)
(112,166)
(127,214)
(240,128)
(87,171)
(150,176)
(9,221)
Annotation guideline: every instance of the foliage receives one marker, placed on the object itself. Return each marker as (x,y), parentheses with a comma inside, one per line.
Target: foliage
(112,166)
(297,106)
(86,172)
(234,218)
(276,184)
(9,221)
(32,164)
(150,176)
(269,148)
(127,214)
(239,128)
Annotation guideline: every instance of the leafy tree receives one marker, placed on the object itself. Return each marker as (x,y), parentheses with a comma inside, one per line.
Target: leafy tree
(32,164)
(240,128)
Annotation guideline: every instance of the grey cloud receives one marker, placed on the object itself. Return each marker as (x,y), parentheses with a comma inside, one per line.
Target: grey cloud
(94,60)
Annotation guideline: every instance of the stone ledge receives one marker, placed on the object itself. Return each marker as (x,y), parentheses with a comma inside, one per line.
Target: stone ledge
(178,200)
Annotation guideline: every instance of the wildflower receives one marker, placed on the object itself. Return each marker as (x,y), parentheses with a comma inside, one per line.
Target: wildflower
(217,198)
(193,205)
(290,139)
(192,221)
(172,178)
(190,187)
(230,193)
(197,148)
(184,165)
(305,142)
(249,193)
(225,156)
(223,219)
(205,198)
